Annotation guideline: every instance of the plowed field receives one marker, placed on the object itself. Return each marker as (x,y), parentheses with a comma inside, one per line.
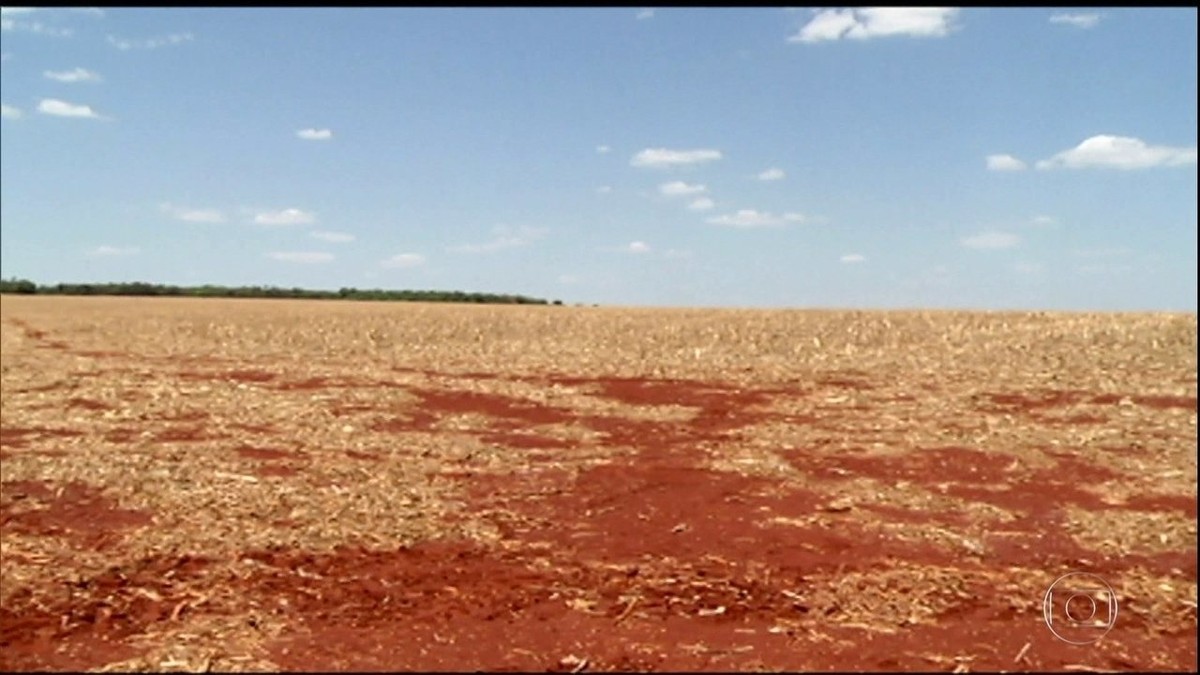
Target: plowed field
(258,485)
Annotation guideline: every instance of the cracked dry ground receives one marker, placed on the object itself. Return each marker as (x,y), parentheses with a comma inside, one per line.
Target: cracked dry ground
(256,485)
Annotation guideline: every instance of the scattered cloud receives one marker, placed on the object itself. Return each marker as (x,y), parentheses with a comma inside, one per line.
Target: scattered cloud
(772,174)
(871,22)
(315,134)
(603,149)
(1119,152)
(1004,163)
(404,260)
(677,254)
(8,112)
(568,279)
(604,189)
(306,257)
(750,218)
(285,217)
(679,188)
(505,237)
(662,157)
(150,43)
(107,251)
(1044,221)
(36,27)
(332,237)
(702,204)
(57,108)
(638,247)
(71,76)
(645,13)
(193,215)
(991,240)
(1078,20)
(15,11)
(851,258)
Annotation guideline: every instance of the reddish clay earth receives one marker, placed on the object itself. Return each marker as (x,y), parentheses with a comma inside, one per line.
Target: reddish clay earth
(650,555)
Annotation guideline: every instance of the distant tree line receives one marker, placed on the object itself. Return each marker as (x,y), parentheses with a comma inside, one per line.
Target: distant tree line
(140,288)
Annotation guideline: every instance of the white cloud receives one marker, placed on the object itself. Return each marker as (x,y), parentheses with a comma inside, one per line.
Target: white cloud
(14,11)
(107,251)
(332,237)
(677,254)
(285,217)
(53,106)
(193,215)
(1044,221)
(505,237)
(568,279)
(1004,163)
(679,189)
(604,189)
(315,134)
(772,174)
(991,240)
(1119,152)
(645,13)
(306,257)
(851,258)
(751,218)
(36,27)
(150,43)
(702,204)
(662,157)
(871,22)
(638,247)
(403,260)
(1078,20)
(8,112)
(603,149)
(5,56)
(71,76)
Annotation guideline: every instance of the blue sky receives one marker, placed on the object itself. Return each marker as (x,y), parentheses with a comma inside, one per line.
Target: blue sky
(868,158)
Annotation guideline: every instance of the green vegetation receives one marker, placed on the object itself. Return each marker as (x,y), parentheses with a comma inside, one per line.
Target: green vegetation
(139,288)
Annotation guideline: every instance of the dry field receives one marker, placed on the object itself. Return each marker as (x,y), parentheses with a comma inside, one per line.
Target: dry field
(256,485)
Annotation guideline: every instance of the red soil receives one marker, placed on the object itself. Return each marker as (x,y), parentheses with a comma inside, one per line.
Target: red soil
(88,404)
(656,562)
(75,510)
(251,452)
(88,624)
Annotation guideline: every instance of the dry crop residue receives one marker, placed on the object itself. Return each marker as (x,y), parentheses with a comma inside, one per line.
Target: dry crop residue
(358,486)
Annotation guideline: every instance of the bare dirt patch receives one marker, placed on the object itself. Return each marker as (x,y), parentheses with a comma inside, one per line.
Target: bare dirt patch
(74,510)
